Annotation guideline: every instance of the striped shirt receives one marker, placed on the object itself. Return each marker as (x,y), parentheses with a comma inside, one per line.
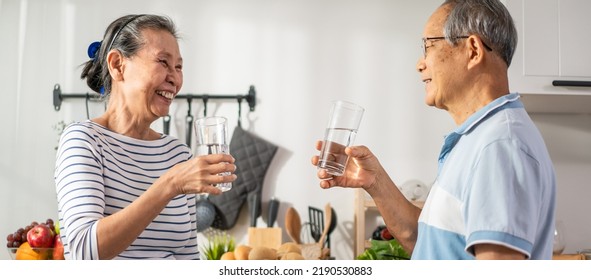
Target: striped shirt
(99,172)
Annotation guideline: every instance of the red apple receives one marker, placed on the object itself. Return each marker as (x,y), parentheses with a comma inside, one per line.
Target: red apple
(40,236)
(58,248)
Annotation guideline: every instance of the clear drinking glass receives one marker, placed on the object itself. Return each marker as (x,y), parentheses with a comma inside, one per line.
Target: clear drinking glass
(559,238)
(212,138)
(341,130)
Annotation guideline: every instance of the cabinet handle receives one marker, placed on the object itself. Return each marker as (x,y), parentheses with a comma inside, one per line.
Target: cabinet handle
(562,83)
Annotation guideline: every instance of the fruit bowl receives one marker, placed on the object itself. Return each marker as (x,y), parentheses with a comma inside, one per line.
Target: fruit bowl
(30,253)
(36,241)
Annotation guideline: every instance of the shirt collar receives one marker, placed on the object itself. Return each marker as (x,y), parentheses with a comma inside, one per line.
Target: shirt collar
(510,100)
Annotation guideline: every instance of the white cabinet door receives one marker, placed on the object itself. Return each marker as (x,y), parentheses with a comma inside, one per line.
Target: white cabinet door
(554,46)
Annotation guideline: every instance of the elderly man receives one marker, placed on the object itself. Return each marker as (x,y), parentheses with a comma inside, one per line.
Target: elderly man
(494,196)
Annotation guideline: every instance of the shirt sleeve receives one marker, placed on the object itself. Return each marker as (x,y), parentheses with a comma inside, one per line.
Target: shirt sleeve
(191,250)
(80,192)
(503,203)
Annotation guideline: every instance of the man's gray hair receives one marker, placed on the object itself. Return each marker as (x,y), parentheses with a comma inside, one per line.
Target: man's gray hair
(488,19)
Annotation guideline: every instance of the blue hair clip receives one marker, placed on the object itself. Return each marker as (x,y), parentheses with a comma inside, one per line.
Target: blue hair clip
(93,49)
(102,91)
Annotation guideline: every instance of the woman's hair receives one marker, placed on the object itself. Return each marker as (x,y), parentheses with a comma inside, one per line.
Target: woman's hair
(489,19)
(125,35)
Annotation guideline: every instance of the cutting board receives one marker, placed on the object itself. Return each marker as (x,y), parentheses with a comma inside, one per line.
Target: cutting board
(568,257)
(267,237)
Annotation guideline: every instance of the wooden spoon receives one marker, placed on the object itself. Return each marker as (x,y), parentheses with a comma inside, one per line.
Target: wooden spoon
(314,251)
(327,221)
(293,224)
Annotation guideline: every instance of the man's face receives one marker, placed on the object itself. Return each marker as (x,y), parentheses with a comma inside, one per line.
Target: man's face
(440,67)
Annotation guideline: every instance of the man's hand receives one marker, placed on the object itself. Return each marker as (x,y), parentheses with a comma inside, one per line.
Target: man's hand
(362,169)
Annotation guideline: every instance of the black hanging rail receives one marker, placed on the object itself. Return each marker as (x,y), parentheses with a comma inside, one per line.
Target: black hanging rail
(250,97)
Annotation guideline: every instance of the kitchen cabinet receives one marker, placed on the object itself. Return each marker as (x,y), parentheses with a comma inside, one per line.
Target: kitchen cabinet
(552,47)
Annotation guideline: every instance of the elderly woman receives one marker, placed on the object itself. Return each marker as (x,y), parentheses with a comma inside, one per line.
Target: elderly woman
(124,190)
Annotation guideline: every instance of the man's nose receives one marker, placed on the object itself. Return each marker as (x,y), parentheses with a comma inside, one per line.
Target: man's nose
(421,65)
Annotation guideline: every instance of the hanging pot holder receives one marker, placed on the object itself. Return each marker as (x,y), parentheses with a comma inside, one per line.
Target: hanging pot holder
(253,156)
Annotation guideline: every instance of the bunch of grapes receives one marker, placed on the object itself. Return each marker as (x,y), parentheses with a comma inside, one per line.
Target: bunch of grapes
(14,240)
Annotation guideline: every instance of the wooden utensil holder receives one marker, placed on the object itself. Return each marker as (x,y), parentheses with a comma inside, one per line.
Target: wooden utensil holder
(267,237)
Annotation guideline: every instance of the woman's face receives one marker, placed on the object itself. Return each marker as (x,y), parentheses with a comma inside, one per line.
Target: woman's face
(153,76)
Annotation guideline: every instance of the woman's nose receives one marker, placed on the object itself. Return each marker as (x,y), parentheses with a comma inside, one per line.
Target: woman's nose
(175,78)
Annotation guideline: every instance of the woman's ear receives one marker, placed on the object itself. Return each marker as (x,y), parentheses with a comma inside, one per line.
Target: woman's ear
(115,65)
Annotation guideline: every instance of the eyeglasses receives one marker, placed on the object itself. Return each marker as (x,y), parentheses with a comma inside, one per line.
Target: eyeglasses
(432,39)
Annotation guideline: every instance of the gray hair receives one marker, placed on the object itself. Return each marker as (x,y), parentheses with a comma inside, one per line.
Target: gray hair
(125,35)
(489,19)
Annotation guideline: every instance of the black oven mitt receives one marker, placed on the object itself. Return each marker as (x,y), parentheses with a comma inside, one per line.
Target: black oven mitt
(253,156)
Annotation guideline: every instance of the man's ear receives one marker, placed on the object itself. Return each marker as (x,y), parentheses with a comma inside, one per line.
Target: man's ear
(115,65)
(476,50)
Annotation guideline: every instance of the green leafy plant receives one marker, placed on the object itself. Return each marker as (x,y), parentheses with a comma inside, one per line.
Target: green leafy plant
(384,250)
(218,243)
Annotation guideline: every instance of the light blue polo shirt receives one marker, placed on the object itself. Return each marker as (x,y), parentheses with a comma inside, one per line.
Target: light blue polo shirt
(495,184)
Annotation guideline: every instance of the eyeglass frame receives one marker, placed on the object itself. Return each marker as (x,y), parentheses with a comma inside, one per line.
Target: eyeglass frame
(425,39)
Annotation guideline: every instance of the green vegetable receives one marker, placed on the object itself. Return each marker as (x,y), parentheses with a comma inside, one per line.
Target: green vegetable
(218,243)
(384,250)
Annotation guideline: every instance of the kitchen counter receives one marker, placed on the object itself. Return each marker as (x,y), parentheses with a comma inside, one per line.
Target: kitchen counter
(569,257)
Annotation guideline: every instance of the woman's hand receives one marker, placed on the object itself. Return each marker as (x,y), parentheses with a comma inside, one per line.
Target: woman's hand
(362,170)
(201,173)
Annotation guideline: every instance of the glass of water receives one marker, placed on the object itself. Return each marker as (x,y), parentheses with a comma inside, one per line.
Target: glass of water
(341,130)
(212,138)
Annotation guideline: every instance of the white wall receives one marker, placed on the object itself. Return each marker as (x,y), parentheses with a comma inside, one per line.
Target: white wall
(568,138)
(299,54)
